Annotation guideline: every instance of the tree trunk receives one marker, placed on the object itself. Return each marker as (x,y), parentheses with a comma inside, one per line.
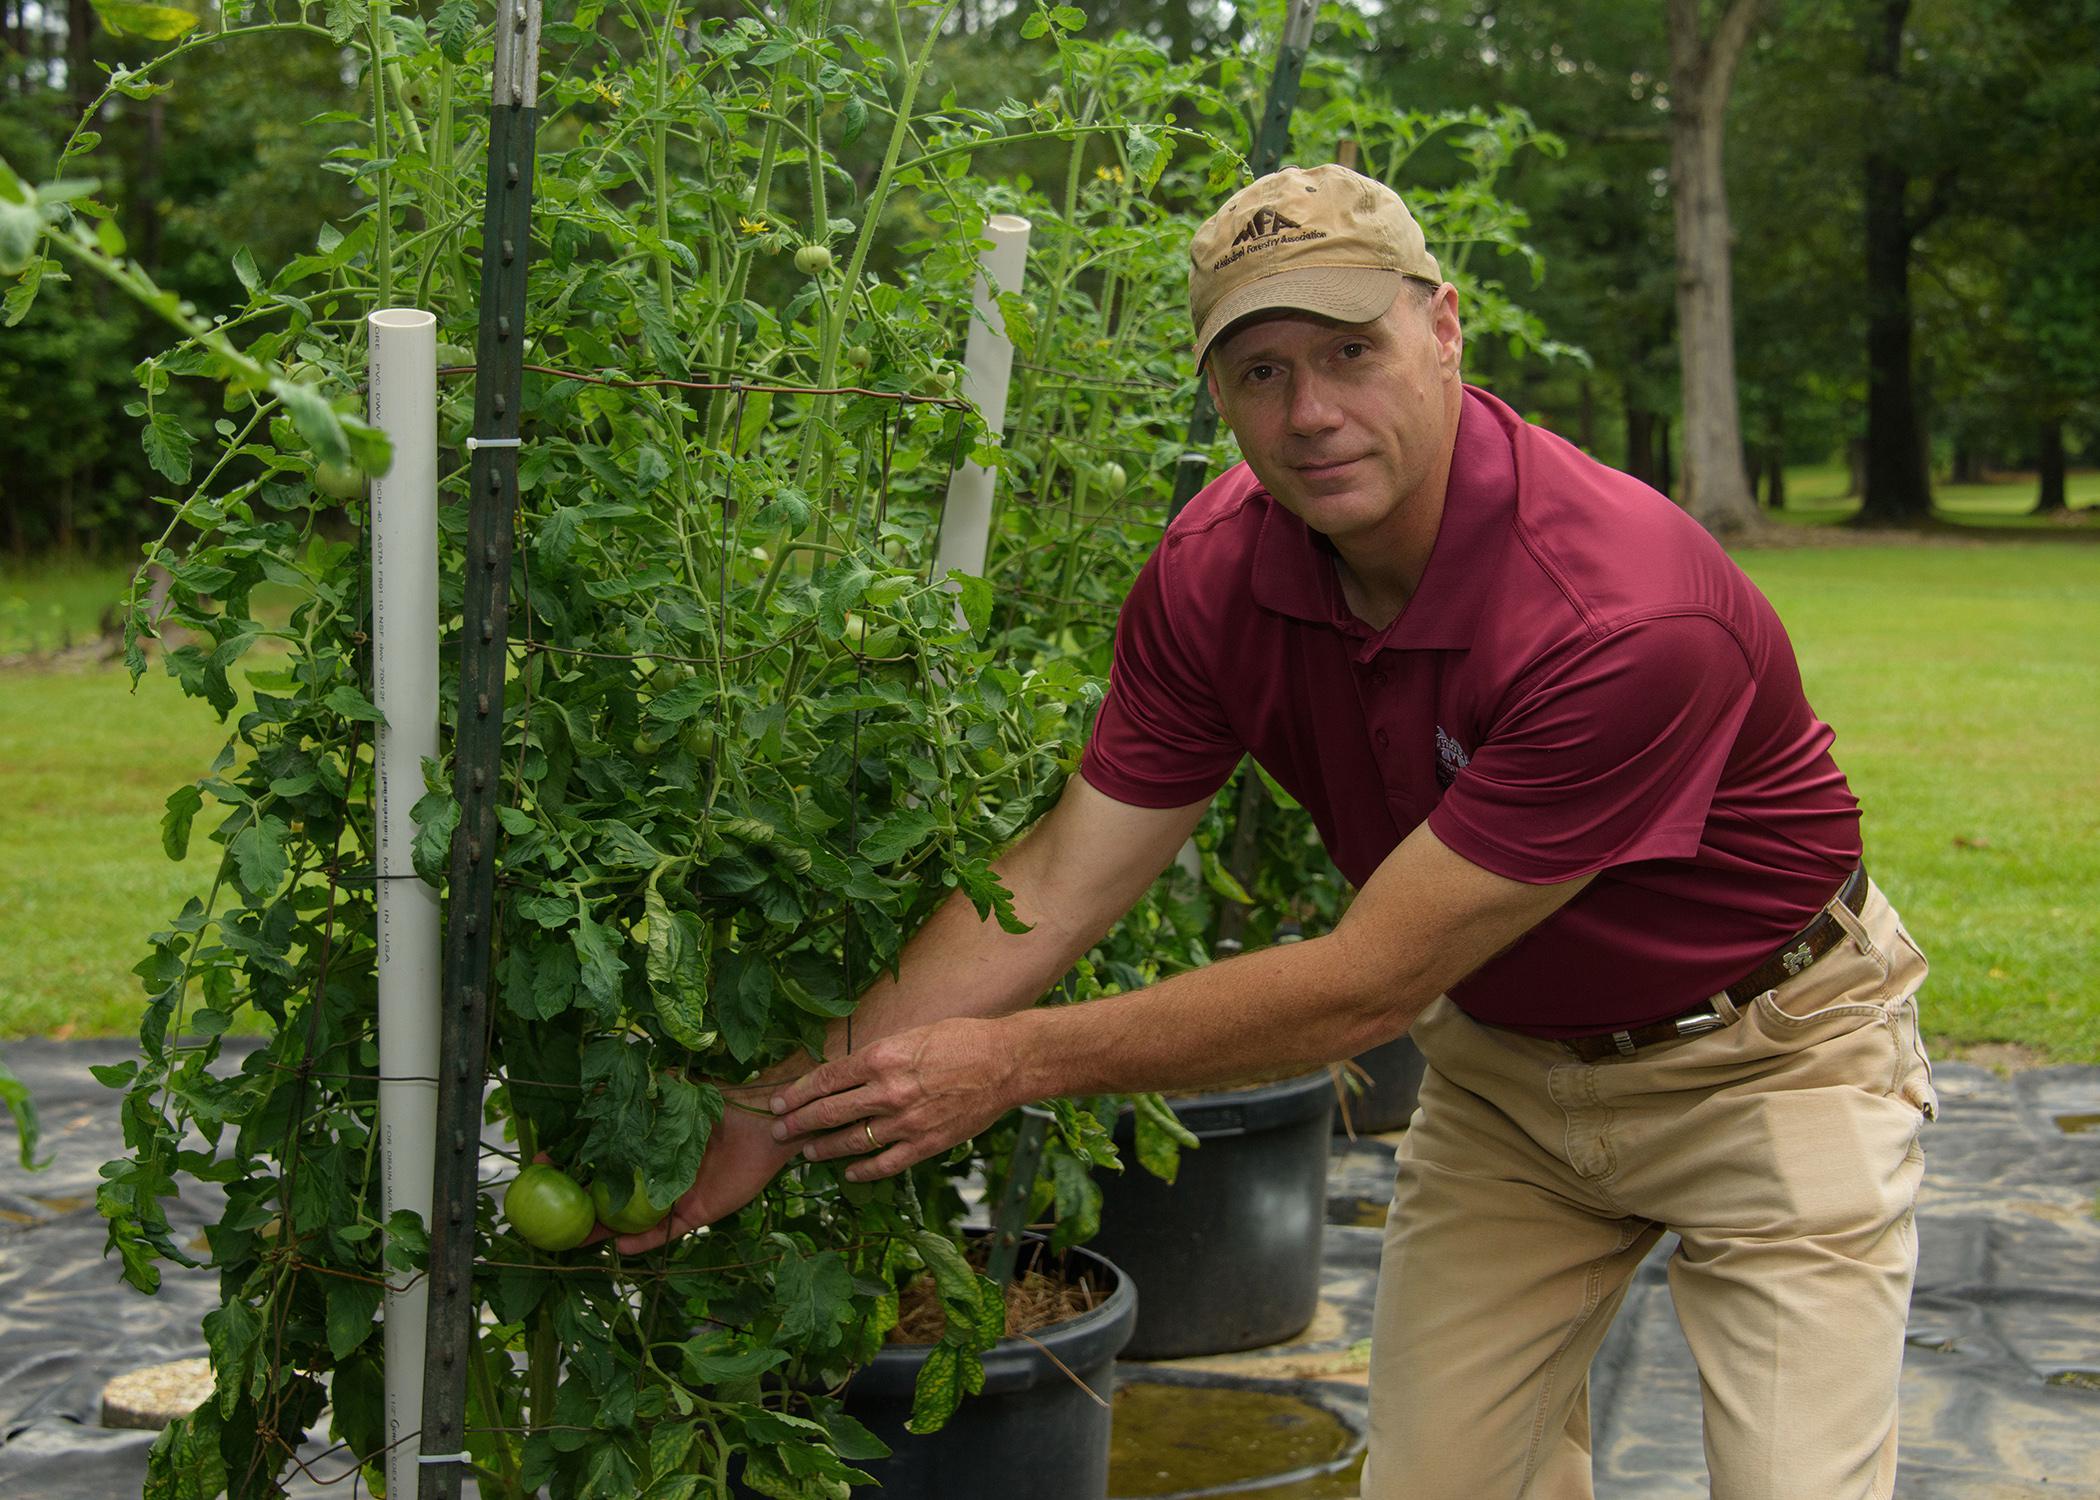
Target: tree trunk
(2050,462)
(67,541)
(1896,487)
(149,187)
(1666,471)
(80,55)
(1640,445)
(1775,478)
(1702,72)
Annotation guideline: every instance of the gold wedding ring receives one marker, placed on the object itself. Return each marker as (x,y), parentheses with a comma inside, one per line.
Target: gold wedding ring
(867,1128)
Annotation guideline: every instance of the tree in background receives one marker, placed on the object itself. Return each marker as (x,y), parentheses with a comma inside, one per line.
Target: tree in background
(1702,75)
(211,159)
(1599,215)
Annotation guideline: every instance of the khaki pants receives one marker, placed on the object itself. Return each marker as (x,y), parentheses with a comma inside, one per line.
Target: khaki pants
(1783,1150)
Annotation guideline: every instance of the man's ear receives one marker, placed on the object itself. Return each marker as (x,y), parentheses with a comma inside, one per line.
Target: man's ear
(1210,379)
(1450,335)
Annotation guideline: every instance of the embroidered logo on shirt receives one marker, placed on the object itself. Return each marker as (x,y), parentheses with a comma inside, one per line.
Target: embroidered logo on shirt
(1451,758)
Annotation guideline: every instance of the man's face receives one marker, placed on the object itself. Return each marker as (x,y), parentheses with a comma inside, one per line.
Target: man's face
(1344,423)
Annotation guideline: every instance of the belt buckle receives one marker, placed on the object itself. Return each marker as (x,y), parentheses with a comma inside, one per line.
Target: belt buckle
(1697,1025)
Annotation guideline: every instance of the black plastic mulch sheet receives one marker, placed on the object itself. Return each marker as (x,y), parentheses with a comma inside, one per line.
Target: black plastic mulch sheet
(2001,1389)
(68,1323)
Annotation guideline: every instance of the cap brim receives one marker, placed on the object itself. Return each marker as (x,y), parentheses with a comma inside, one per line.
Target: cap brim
(1348,294)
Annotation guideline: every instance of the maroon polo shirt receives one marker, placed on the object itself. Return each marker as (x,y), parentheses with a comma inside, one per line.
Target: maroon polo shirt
(1582,682)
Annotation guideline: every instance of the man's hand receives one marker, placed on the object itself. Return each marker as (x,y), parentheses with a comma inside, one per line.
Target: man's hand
(899,1100)
(742,1157)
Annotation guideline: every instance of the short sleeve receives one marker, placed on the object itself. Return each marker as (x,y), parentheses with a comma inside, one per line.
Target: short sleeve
(1608,754)
(1162,738)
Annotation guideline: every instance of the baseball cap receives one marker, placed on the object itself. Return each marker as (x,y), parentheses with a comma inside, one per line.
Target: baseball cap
(1325,240)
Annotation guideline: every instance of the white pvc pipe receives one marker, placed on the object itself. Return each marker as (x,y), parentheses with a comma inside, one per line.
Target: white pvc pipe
(403,404)
(988,360)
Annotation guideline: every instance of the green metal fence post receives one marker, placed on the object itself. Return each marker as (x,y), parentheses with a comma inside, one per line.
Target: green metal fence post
(484,645)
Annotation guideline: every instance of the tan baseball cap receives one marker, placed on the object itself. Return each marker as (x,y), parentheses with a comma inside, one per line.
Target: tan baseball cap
(1324,240)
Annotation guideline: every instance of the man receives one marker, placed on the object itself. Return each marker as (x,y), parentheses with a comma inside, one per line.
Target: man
(1609,879)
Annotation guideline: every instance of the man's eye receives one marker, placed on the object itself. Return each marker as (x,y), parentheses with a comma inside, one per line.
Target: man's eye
(1354,348)
(1255,373)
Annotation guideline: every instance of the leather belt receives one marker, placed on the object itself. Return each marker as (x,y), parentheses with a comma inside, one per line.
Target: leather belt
(1793,957)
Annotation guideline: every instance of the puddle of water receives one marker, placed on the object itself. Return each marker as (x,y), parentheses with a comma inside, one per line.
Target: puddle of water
(1172,1439)
(1364,1213)
(2077,1124)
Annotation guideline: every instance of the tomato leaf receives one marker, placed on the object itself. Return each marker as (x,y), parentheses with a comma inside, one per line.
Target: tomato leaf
(351,703)
(686,1116)
(352,1306)
(258,856)
(897,835)
(182,806)
(815,1295)
(599,961)
(436,816)
(156,23)
(679,950)
(168,445)
(938,1391)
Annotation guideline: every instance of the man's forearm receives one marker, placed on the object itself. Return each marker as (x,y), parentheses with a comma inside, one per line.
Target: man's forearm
(1263,1014)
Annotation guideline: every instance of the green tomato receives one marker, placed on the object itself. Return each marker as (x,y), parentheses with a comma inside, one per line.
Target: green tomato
(1114,480)
(339,481)
(813,260)
(632,1213)
(646,745)
(860,356)
(548,1209)
(855,631)
(697,739)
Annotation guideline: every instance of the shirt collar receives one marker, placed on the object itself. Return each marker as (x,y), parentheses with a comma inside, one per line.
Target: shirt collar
(1294,565)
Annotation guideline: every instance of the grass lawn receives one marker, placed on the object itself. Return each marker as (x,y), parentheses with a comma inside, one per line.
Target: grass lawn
(83,880)
(1815,496)
(55,604)
(1963,680)
(1964,685)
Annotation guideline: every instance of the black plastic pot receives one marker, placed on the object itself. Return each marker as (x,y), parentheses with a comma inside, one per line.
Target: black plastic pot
(1390,1092)
(1228,1255)
(1033,1433)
